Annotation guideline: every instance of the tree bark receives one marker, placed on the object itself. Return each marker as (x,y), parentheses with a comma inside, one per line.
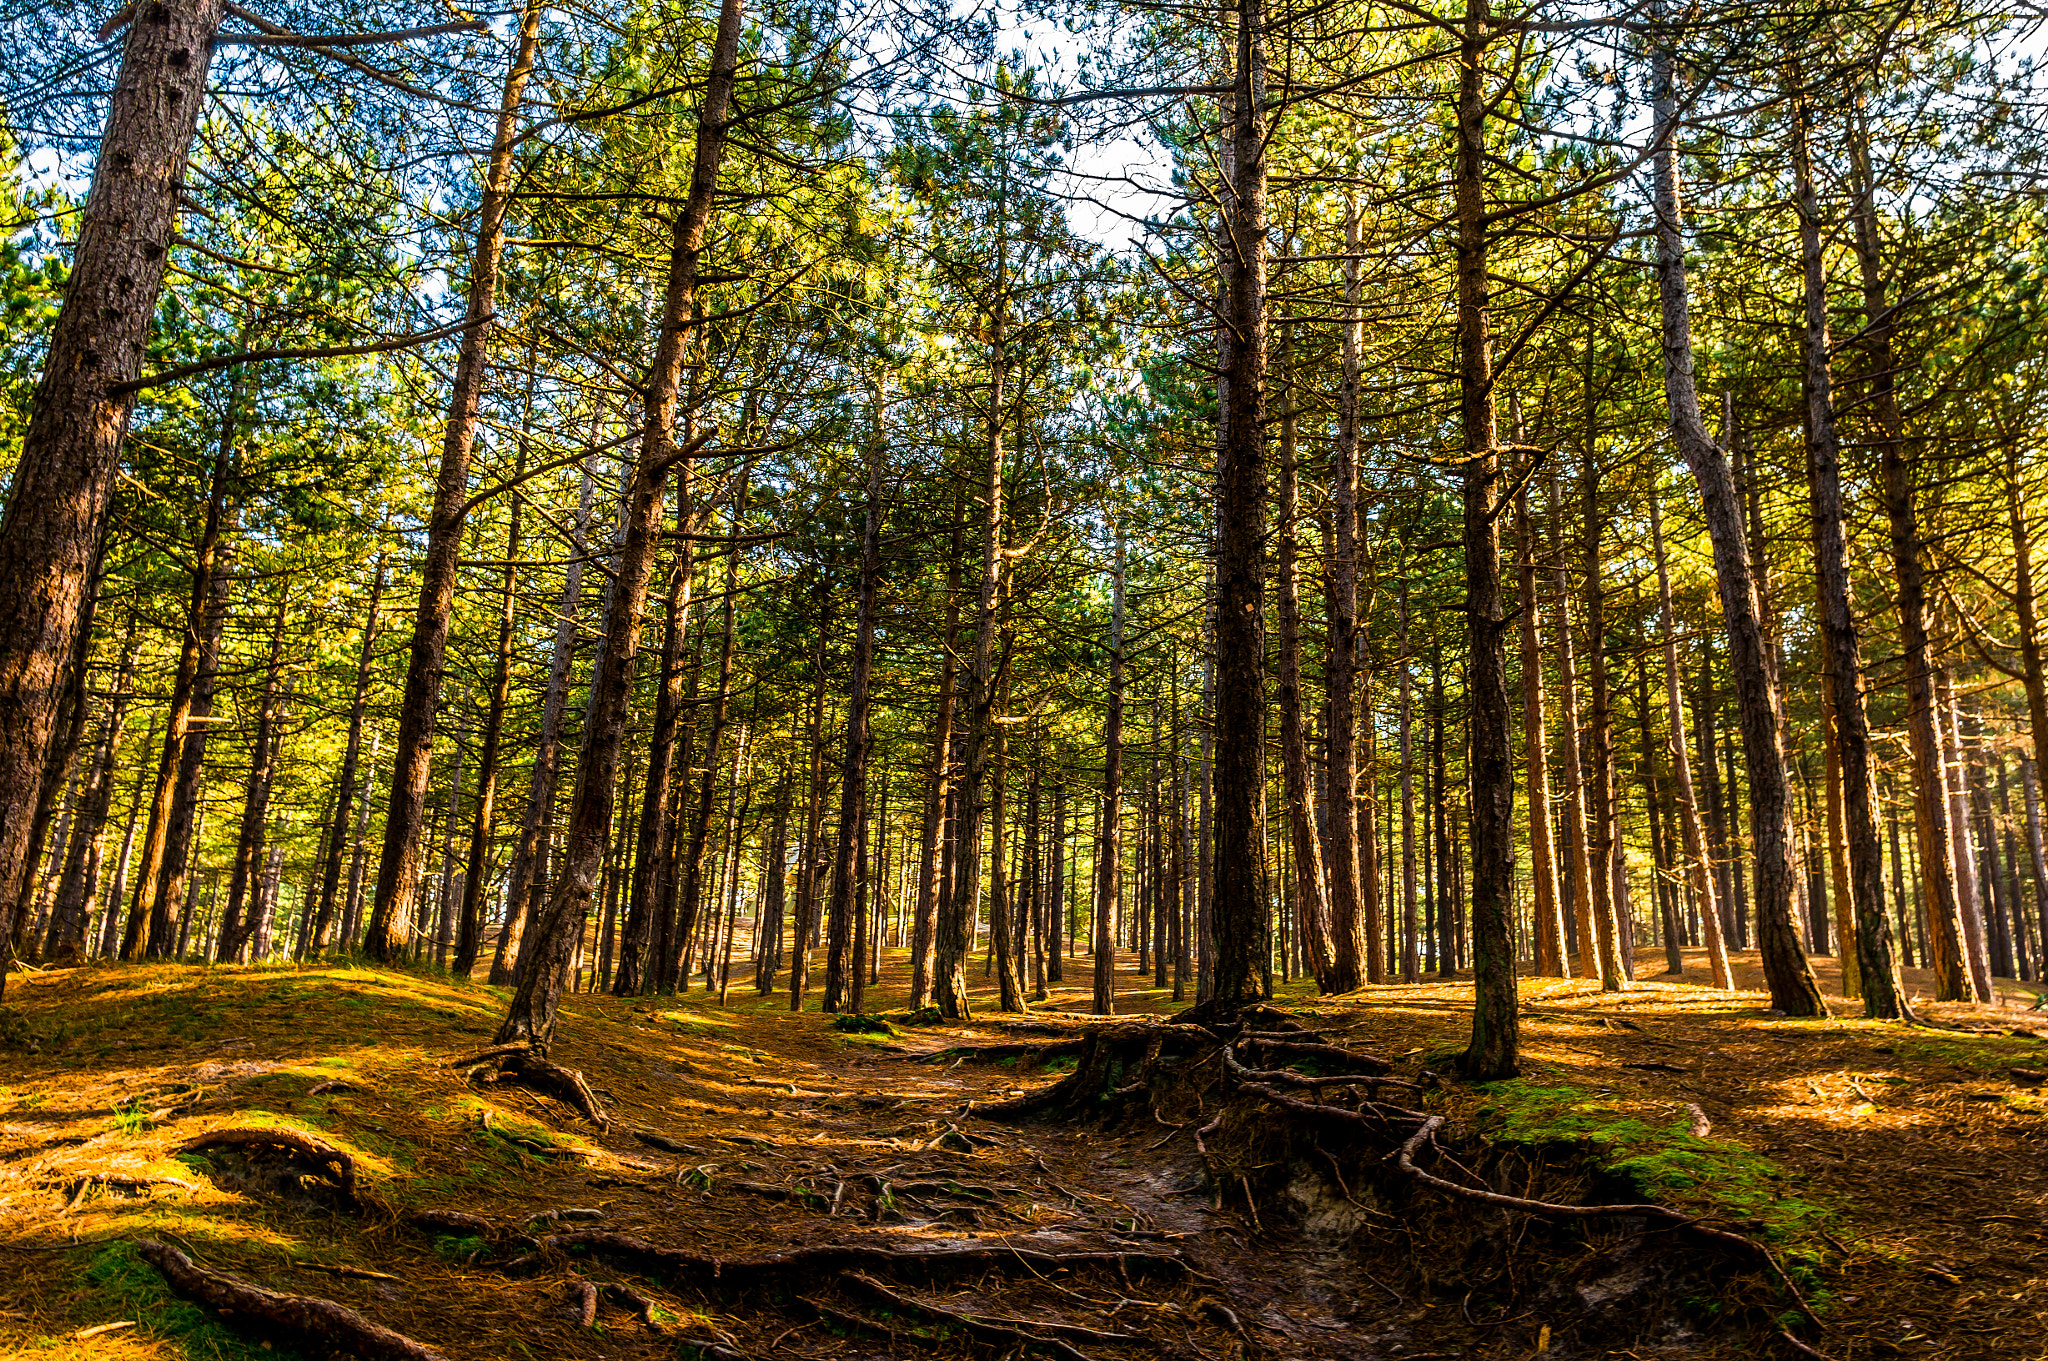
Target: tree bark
(1549,912)
(1494,1051)
(1868,967)
(690,882)
(63,481)
(1109,859)
(1791,982)
(249,845)
(78,889)
(814,815)
(531,1016)
(1312,904)
(1237,912)
(404,819)
(843,969)
(469,934)
(1698,858)
(523,881)
(1344,866)
(1601,810)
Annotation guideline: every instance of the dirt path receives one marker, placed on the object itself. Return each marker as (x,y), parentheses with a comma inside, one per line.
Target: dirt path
(744,1130)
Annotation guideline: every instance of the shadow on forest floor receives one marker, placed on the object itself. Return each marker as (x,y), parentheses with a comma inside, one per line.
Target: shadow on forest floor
(1899,1171)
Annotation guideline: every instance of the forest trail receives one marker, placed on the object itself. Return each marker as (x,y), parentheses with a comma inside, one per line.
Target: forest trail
(1896,1172)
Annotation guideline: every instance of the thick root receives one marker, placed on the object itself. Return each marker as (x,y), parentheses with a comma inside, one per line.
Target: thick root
(517,1063)
(304,1320)
(321,1160)
(655,1260)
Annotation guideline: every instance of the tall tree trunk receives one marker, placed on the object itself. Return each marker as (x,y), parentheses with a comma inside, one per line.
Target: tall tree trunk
(924,929)
(345,785)
(649,889)
(1791,982)
(1948,714)
(1341,573)
(956,916)
(469,934)
(398,868)
(1869,968)
(182,807)
(1109,861)
(1576,822)
(1549,912)
(531,1017)
(249,845)
(843,970)
(1944,948)
(1600,737)
(1237,910)
(78,889)
(524,881)
(1698,859)
(1311,901)
(63,482)
(1495,1047)
(690,886)
(1411,961)
(1003,937)
(814,814)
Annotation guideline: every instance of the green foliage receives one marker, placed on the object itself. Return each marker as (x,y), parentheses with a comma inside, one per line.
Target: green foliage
(862,1023)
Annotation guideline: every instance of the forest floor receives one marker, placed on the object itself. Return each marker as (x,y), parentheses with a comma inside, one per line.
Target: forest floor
(1897,1173)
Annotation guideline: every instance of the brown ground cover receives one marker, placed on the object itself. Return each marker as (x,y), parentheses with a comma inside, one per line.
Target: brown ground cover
(1897,1172)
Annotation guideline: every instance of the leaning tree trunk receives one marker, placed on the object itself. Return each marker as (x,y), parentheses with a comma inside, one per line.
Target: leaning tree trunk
(1790,979)
(843,964)
(63,481)
(1237,908)
(405,816)
(559,930)
(1495,1047)
(1698,866)
(1876,971)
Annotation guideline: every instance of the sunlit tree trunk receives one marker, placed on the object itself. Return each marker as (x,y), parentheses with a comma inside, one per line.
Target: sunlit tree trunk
(1698,859)
(398,867)
(1109,859)
(1790,980)
(1549,913)
(63,480)
(549,957)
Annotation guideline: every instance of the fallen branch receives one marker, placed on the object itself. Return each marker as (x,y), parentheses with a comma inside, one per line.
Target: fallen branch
(337,1166)
(301,1318)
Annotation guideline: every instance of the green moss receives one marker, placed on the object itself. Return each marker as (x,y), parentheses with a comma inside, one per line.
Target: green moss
(1666,1163)
(862,1023)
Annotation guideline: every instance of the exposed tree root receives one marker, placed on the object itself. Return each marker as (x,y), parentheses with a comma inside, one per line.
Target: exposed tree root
(583,1303)
(653,1259)
(1296,1050)
(995,1053)
(1009,1332)
(457,1222)
(656,1139)
(302,1319)
(323,1160)
(519,1064)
